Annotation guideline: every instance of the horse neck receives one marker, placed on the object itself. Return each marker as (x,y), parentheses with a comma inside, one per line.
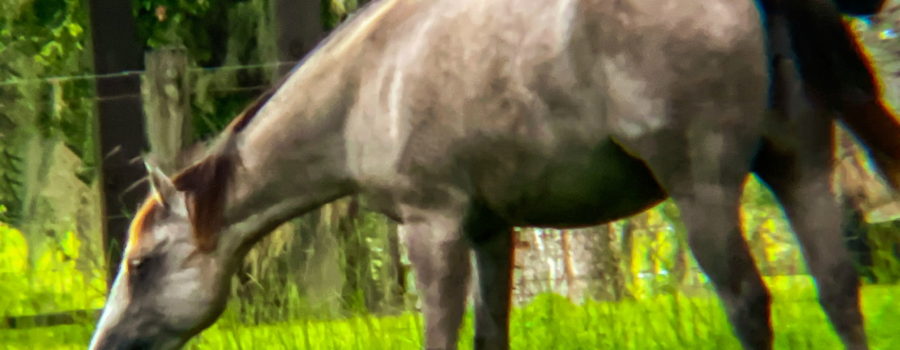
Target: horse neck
(292,152)
(291,155)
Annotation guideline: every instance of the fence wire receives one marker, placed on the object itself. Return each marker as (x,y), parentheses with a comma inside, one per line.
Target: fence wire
(95,77)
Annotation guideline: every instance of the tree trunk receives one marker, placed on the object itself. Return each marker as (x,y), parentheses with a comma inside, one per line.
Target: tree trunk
(628,249)
(365,246)
(606,265)
(298,29)
(568,265)
(856,239)
(120,125)
(358,293)
(682,261)
(396,288)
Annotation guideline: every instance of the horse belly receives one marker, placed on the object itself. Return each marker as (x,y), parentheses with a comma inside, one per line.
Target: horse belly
(602,185)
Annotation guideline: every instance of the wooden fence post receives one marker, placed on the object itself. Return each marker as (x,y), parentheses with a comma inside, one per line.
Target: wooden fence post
(167,108)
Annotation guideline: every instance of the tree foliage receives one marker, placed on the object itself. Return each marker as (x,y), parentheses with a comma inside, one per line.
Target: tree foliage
(41,38)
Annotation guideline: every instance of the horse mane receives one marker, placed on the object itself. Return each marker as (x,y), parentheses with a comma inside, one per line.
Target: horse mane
(238,124)
(358,25)
(205,182)
(205,185)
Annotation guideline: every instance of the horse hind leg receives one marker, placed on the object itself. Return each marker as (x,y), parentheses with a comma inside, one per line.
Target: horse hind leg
(797,167)
(706,184)
(805,194)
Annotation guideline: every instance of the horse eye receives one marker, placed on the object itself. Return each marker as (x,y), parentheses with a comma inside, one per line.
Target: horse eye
(139,270)
(135,264)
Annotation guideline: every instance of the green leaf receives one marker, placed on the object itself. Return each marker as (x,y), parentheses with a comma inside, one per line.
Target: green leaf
(50,48)
(74,29)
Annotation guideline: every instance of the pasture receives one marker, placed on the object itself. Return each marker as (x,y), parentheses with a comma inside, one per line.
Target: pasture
(548,321)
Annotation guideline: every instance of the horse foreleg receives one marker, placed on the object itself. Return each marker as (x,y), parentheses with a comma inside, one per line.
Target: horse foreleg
(706,184)
(440,257)
(492,242)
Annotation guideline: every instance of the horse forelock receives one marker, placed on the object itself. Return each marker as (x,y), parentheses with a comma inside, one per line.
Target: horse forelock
(142,221)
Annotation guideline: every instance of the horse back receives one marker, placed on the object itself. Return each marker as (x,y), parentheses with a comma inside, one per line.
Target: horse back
(488,96)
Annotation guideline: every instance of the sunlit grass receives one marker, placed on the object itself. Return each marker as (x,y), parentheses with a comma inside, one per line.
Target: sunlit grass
(667,321)
(548,322)
(50,281)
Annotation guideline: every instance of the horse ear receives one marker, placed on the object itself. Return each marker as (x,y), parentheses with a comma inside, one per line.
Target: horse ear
(160,184)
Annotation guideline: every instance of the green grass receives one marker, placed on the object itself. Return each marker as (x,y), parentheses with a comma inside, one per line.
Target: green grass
(50,282)
(548,322)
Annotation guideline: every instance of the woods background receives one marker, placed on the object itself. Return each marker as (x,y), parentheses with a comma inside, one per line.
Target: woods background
(193,65)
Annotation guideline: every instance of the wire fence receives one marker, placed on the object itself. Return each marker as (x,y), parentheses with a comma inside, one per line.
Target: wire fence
(52,271)
(96,77)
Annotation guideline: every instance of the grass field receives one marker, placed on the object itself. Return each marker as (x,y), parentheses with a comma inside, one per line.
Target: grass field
(549,322)
(51,282)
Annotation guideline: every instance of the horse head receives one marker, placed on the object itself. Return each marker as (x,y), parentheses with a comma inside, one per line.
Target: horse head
(173,281)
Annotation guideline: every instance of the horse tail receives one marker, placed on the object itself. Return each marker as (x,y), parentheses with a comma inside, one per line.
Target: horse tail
(838,74)
(859,7)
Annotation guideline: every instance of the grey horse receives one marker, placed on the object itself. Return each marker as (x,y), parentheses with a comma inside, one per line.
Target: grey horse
(464,118)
